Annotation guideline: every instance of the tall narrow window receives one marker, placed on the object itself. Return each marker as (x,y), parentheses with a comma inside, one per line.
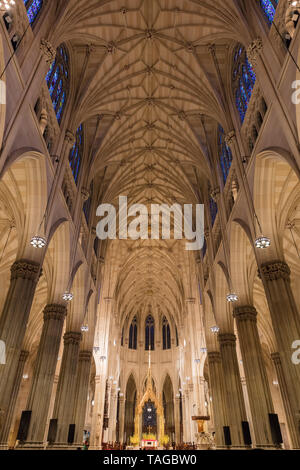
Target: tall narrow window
(224,153)
(33,8)
(133,334)
(269,9)
(149,333)
(166,334)
(76,153)
(243,78)
(58,82)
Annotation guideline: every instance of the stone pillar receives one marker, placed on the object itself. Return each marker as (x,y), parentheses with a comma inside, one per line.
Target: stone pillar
(13,322)
(96,431)
(13,399)
(44,371)
(177,419)
(217,386)
(112,414)
(236,411)
(66,389)
(82,389)
(286,325)
(259,394)
(286,399)
(185,436)
(121,418)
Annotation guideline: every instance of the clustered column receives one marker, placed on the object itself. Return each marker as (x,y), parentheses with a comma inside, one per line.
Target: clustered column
(256,377)
(13,322)
(218,395)
(82,387)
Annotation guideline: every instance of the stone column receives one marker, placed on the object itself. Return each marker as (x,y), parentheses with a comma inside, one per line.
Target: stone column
(44,371)
(82,389)
(217,386)
(286,400)
(185,436)
(259,394)
(96,431)
(66,389)
(13,399)
(121,418)
(286,325)
(177,419)
(13,322)
(236,411)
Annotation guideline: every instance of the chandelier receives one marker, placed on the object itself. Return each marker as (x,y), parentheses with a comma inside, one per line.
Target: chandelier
(232,297)
(84,328)
(38,242)
(262,242)
(67,296)
(215,329)
(6,4)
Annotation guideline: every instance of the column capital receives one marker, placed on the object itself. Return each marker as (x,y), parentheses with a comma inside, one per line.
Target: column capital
(190,300)
(55,312)
(70,137)
(48,51)
(214,357)
(85,356)
(245,313)
(274,270)
(85,193)
(72,337)
(25,269)
(230,138)
(215,193)
(276,358)
(254,50)
(226,339)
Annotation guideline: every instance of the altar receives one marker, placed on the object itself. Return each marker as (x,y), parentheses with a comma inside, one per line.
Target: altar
(149,444)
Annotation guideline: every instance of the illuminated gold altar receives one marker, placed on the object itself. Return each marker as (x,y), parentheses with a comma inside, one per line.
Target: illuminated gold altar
(149,395)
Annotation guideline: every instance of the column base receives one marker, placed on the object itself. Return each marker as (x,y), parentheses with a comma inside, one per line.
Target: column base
(31,446)
(4,446)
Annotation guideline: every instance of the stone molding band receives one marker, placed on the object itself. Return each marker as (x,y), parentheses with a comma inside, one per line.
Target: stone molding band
(85,356)
(245,313)
(214,357)
(227,339)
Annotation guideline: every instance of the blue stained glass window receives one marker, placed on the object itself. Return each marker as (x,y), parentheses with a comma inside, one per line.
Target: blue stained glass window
(75,157)
(224,153)
(149,333)
(243,81)
(33,8)
(133,334)
(57,80)
(269,9)
(213,210)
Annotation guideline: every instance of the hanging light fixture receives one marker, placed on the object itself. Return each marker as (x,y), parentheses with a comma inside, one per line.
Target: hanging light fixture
(262,242)
(38,242)
(68,296)
(232,297)
(215,329)
(84,328)
(7,4)
(203,350)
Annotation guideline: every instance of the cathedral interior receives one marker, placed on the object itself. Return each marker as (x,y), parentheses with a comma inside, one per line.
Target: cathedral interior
(111,343)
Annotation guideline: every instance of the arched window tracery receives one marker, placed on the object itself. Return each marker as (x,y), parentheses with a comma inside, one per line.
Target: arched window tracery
(133,334)
(149,333)
(269,9)
(76,154)
(33,8)
(224,154)
(166,334)
(58,81)
(243,78)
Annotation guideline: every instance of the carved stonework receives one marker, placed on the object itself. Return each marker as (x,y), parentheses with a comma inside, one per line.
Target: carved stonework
(215,194)
(23,356)
(276,358)
(85,356)
(48,51)
(226,339)
(55,312)
(245,313)
(254,51)
(70,138)
(25,269)
(230,138)
(72,337)
(85,194)
(214,357)
(275,270)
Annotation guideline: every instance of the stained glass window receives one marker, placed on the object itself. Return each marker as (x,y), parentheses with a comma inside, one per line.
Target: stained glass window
(243,80)
(76,152)
(133,334)
(166,334)
(33,8)
(213,210)
(149,333)
(224,153)
(57,80)
(269,9)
